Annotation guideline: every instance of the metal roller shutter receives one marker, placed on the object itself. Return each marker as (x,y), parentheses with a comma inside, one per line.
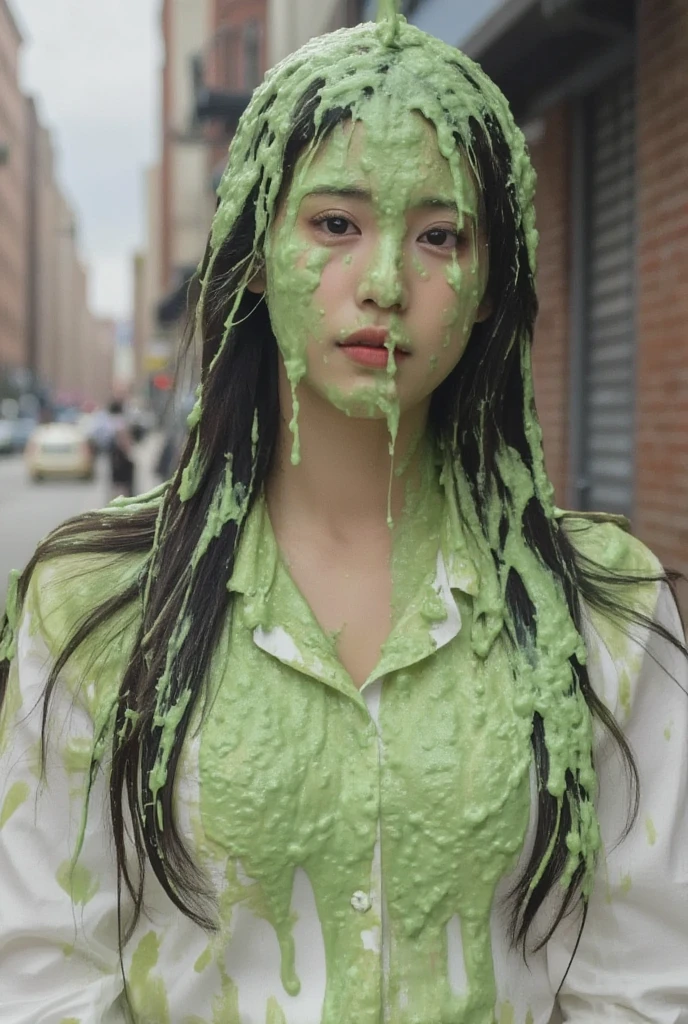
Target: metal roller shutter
(609,375)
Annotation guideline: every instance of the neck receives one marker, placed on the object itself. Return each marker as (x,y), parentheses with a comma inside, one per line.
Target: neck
(346,480)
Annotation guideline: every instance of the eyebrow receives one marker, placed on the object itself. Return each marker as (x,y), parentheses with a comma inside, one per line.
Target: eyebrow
(355,192)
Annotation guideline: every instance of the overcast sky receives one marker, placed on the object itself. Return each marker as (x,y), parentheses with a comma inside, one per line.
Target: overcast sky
(94,67)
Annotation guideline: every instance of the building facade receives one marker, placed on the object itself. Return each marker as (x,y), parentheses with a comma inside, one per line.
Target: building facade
(291,23)
(212,66)
(233,63)
(101,376)
(42,354)
(186,201)
(180,203)
(13,206)
(63,353)
(47,332)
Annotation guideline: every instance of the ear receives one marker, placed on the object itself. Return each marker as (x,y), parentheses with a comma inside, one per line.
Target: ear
(257,283)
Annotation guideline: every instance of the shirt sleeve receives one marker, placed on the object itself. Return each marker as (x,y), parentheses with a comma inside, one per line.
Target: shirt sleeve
(58,917)
(632,961)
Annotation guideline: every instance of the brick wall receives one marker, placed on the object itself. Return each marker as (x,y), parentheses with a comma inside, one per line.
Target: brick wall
(661,515)
(551,158)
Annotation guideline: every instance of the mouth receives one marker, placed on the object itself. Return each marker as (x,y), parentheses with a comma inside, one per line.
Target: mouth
(368,347)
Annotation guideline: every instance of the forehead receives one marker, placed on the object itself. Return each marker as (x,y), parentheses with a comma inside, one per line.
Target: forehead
(392,152)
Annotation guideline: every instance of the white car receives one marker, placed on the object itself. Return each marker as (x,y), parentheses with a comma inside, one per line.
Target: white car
(59,450)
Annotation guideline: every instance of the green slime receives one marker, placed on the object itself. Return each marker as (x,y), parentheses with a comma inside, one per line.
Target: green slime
(287,814)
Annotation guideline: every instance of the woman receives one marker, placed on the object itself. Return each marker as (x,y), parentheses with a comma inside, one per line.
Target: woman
(326,715)
(121,447)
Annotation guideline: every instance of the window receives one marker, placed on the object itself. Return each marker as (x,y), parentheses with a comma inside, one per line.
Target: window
(227,58)
(252,40)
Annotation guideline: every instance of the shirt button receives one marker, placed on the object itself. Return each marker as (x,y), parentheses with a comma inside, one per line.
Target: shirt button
(361,901)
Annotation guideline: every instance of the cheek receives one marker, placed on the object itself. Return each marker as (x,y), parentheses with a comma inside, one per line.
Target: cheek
(466,294)
(336,277)
(294,278)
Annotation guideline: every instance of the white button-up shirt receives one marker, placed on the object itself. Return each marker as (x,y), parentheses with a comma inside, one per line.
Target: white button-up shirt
(367,942)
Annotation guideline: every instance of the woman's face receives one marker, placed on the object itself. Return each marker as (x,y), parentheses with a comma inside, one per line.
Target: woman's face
(377,232)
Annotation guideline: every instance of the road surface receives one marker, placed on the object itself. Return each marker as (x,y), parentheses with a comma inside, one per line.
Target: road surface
(28,511)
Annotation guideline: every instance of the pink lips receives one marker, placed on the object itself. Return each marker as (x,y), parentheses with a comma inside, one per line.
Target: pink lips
(367,348)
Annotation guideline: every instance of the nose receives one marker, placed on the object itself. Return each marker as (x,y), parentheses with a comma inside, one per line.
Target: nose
(383,282)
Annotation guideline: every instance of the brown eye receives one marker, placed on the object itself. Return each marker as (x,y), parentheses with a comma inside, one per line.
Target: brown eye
(336,225)
(439,236)
(446,240)
(333,225)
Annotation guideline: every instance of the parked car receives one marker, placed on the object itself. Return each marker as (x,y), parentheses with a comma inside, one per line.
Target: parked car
(6,437)
(59,450)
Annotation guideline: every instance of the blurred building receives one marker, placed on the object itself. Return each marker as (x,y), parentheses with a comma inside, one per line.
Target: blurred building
(13,213)
(142,320)
(42,353)
(177,200)
(293,22)
(216,54)
(48,342)
(228,69)
(101,373)
(186,198)
(63,355)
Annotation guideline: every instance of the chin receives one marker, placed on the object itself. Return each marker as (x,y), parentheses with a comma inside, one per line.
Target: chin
(369,402)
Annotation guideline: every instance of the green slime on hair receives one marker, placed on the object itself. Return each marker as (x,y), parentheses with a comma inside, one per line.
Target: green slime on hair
(342,69)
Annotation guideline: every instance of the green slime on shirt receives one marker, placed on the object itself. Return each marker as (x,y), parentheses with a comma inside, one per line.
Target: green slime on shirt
(344,69)
(16,796)
(408,70)
(146,990)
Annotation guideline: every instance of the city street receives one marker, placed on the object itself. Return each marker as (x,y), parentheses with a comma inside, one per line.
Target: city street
(28,511)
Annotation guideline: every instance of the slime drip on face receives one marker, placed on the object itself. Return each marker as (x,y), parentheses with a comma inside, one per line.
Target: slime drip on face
(378,230)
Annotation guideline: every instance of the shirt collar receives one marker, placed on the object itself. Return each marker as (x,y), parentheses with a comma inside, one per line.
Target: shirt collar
(431,620)
(256,562)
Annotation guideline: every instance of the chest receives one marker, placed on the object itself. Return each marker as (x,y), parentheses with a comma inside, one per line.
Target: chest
(419,791)
(289,763)
(351,598)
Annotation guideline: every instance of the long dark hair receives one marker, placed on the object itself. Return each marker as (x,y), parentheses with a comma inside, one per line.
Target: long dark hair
(179,601)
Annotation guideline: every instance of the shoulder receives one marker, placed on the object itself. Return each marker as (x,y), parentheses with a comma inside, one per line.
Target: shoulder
(618,569)
(64,592)
(606,542)
(65,596)
(627,607)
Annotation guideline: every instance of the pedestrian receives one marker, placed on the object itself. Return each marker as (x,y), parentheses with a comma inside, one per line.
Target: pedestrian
(347,722)
(121,445)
